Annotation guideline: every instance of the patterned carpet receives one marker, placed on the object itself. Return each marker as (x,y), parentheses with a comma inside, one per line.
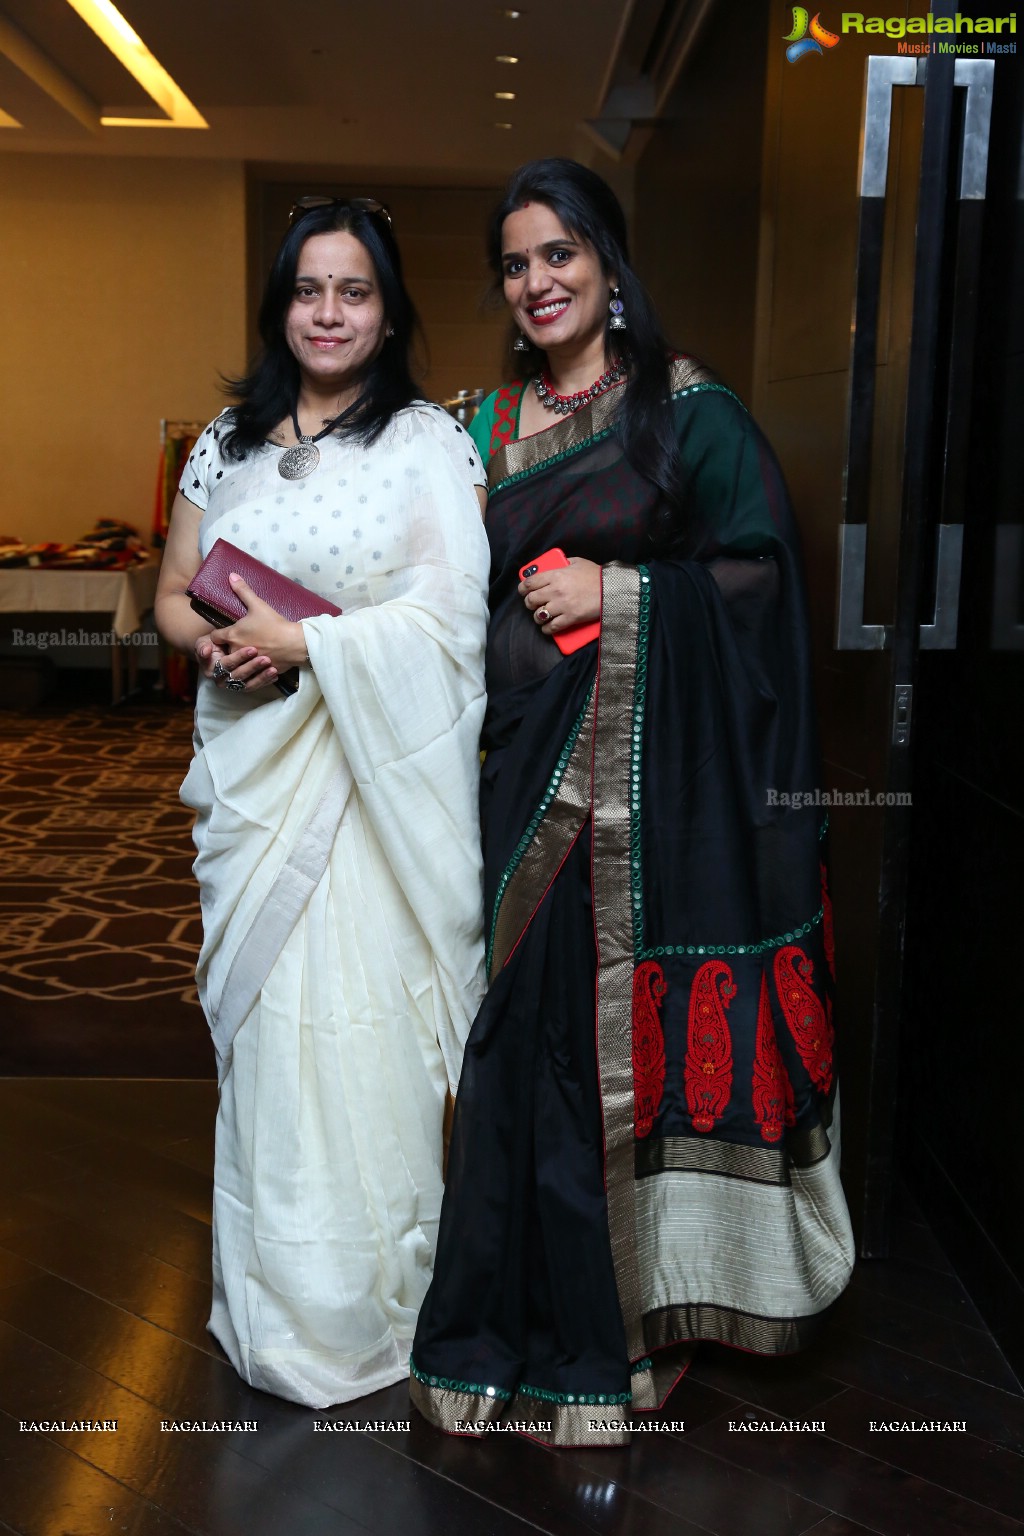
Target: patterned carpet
(99,908)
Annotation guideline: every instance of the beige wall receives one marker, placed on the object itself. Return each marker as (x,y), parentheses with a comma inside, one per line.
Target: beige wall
(122,295)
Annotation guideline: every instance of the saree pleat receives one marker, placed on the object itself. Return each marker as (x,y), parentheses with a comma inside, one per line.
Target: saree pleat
(645,1144)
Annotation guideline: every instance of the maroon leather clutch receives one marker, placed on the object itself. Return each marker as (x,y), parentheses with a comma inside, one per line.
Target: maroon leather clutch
(211,595)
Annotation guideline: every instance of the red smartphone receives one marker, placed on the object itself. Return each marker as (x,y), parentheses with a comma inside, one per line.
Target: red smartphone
(568,640)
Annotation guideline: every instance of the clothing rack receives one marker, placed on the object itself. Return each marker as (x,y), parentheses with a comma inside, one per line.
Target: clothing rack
(464,405)
(176,442)
(172,431)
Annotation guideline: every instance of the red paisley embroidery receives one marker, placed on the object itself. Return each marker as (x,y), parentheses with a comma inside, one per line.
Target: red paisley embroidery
(649,988)
(774,1107)
(826,932)
(708,1069)
(805,1014)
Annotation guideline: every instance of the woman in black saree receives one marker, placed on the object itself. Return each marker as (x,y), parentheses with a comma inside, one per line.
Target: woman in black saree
(645,1146)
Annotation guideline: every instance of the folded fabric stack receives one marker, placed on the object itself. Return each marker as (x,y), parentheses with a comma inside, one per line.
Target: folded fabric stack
(110,546)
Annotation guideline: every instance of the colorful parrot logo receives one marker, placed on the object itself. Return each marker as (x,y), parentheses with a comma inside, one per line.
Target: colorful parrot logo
(807,36)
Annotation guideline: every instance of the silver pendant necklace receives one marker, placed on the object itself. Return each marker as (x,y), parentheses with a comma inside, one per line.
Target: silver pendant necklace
(303,457)
(300,460)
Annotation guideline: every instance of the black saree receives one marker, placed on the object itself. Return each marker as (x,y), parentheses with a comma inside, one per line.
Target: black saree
(645,1144)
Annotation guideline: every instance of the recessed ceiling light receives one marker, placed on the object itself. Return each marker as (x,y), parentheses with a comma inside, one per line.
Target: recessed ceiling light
(128,48)
(503,125)
(510,15)
(504,95)
(506,58)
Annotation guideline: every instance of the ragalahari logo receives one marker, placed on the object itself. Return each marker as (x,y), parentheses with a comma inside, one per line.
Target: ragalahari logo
(808,35)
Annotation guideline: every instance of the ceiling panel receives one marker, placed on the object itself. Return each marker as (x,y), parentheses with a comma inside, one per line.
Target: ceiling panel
(395,84)
(74,47)
(39,115)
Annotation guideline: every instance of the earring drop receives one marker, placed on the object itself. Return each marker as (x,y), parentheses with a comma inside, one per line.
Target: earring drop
(520,344)
(617,311)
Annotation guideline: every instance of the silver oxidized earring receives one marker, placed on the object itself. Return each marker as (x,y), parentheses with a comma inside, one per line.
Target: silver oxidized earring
(616,310)
(520,344)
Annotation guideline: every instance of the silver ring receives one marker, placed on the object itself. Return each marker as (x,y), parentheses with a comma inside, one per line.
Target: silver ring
(235,684)
(220,671)
(542,616)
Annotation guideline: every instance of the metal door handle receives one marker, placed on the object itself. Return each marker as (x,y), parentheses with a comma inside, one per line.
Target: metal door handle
(852,634)
(1007,625)
(883,75)
(939,634)
(976,75)
(884,72)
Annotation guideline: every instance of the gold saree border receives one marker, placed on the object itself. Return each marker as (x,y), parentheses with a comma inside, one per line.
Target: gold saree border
(705,1322)
(566,1424)
(685,372)
(613,925)
(564,809)
(592,1420)
(810,1146)
(523,455)
(733,1160)
(668,1365)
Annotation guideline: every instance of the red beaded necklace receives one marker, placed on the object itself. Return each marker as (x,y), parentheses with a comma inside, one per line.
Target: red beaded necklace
(549,397)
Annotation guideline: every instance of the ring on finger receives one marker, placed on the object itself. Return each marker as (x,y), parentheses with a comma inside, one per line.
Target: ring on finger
(542,616)
(220,671)
(236,684)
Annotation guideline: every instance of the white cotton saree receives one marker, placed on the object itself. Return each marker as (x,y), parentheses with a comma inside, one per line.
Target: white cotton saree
(340,878)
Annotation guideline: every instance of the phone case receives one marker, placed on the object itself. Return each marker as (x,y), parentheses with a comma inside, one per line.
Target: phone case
(570,639)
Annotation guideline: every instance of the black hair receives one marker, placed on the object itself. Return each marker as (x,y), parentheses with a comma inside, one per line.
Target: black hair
(592,213)
(269,391)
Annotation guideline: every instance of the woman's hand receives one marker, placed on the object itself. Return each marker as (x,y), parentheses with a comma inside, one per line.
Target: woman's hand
(563,598)
(244,666)
(255,649)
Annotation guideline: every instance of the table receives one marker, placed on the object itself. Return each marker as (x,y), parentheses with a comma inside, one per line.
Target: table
(124,597)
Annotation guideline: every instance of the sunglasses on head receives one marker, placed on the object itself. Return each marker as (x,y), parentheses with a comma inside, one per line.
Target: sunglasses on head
(304,205)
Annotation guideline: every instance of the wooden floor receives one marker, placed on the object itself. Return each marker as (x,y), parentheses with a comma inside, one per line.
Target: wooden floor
(104,1293)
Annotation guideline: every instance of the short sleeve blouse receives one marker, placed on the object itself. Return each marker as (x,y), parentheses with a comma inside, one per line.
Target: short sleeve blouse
(208,466)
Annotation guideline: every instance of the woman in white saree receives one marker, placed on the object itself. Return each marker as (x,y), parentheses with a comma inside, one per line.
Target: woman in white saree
(336,828)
